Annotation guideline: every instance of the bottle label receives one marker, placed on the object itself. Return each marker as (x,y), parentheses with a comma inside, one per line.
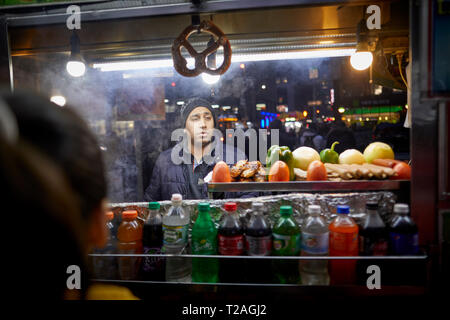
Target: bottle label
(175,235)
(152,264)
(343,243)
(231,246)
(203,246)
(286,245)
(258,246)
(315,243)
(404,243)
(373,247)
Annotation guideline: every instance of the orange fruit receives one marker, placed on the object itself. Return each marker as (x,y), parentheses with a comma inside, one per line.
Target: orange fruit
(221,172)
(403,171)
(316,171)
(279,172)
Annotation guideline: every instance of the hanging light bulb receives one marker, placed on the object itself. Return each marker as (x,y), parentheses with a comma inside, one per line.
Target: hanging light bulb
(362,58)
(75,66)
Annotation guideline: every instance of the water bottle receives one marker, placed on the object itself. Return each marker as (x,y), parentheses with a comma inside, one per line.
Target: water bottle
(175,231)
(315,240)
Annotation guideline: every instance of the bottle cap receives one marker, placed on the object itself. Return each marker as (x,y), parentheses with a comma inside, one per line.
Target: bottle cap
(401,208)
(257,205)
(154,205)
(343,209)
(177,197)
(230,206)
(129,214)
(313,209)
(372,205)
(203,206)
(285,210)
(109,215)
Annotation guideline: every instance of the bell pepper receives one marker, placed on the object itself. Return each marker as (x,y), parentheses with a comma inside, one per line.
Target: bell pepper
(284,154)
(329,155)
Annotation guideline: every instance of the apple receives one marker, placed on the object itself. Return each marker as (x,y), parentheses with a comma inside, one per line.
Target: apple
(303,156)
(378,150)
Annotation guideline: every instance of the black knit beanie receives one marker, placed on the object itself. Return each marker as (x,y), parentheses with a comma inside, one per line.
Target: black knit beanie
(190,105)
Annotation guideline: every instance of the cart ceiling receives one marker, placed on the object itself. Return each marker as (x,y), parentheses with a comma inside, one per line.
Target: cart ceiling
(281,29)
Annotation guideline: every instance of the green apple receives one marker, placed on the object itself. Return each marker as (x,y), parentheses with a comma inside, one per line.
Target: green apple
(378,150)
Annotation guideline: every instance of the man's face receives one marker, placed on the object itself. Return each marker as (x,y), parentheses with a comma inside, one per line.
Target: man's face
(199,124)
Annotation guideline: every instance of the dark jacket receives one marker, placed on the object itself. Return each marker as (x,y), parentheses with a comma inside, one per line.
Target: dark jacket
(169,178)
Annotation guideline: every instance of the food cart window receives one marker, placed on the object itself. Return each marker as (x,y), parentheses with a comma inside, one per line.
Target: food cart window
(131,95)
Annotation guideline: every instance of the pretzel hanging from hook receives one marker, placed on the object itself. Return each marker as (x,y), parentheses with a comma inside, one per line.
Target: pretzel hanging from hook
(180,62)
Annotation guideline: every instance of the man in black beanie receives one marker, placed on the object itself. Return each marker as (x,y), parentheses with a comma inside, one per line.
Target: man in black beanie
(197,117)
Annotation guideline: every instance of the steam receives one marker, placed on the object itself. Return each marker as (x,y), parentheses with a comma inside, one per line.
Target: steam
(133,141)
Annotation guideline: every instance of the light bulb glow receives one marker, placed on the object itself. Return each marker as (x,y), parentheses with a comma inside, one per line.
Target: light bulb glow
(210,79)
(361,60)
(59,100)
(76,68)
(236,58)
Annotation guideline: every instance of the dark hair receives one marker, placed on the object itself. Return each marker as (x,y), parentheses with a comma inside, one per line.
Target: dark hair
(66,139)
(42,228)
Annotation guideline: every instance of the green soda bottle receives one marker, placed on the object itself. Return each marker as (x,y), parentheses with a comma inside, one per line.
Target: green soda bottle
(204,242)
(286,242)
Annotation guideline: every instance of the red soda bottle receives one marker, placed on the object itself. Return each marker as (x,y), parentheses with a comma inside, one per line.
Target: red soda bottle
(343,242)
(231,243)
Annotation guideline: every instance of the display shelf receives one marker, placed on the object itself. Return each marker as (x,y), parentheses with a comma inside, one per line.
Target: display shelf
(412,257)
(309,186)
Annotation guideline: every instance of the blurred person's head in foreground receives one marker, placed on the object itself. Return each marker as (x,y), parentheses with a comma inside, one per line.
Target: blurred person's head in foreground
(62,136)
(42,230)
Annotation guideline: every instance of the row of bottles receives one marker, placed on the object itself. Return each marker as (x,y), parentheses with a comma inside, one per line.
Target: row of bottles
(169,234)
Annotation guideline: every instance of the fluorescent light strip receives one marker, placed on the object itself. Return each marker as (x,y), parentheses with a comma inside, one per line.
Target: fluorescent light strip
(167,63)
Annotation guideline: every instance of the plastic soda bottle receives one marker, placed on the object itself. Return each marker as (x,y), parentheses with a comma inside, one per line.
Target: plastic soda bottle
(175,231)
(258,242)
(373,237)
(373,241)
(204,242)
(231,243)
(286,242)
(106,267)
(403,232)
(404,240)
(152,240)
(129,236)
(343,242)
(315,241)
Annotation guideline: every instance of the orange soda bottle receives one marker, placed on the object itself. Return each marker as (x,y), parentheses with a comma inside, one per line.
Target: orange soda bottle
(343,242)
(129,238)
